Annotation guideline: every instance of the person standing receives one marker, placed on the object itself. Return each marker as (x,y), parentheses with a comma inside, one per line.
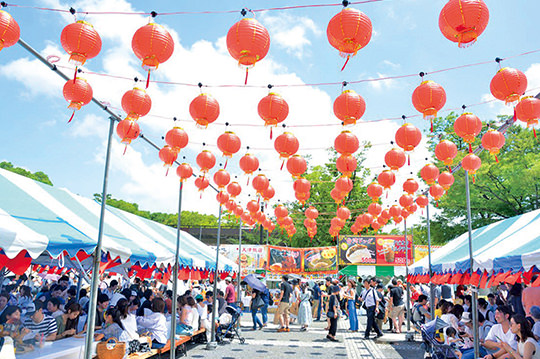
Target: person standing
(349,295)
(256,301)
(304,308)
(230,292)
(333,313)
(283,308)
(371,304)
(397,306)
(316,310)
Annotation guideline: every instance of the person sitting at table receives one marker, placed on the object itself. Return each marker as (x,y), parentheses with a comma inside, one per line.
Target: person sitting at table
(500,333)
(146,302)
(67,323)
(134,305)
(25,298)
(43,326)
(185,316)
(102,305)
(154,322)
(195,319)
(10,326)
(53,308)
(129,320)
(203,313)
(527,346)
(112,328)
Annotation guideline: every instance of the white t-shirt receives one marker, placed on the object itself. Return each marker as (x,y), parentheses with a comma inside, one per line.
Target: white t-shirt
(498,332)
(536,329)
(521,348)
(203,311)
(130,326)
(115,298)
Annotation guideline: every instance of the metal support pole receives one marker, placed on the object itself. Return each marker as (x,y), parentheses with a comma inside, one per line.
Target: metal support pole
(431,288)
(238,290)
(88,351)
(175,275)
(407,277)
(471,263)
(212,344)
(261,227)
(78,295)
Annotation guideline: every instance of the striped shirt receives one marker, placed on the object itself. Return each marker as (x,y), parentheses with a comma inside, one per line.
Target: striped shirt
(46,327)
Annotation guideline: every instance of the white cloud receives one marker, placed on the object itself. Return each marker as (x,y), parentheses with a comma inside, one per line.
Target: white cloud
(291,32)
(392,65)
(382,84)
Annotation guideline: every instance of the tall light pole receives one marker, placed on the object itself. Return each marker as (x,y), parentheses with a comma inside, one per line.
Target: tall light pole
(212,344)
(238,290)
(431,288)
(175,275)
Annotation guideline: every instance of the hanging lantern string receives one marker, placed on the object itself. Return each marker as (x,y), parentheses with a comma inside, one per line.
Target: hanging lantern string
(313,84)
(292,7)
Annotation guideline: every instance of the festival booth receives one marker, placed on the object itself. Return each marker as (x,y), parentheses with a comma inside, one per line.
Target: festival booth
(57,229)
(372,271)
(505,251)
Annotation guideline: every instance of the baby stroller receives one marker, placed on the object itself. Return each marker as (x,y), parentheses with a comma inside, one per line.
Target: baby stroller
(434,348)
(228,328)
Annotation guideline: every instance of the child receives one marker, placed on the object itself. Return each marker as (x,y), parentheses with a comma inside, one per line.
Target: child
(451,340)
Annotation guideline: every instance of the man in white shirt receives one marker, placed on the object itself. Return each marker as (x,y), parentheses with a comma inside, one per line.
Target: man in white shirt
(499,333)
(371,301)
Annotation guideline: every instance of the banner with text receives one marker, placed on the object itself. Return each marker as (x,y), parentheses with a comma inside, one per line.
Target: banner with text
(375,250)
(253,257)
(283,260)
(421,251)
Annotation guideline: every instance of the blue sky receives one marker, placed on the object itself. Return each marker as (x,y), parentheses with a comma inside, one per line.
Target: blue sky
(406,40)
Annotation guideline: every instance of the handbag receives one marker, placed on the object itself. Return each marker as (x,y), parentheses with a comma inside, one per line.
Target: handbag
(258,302)
(108,350)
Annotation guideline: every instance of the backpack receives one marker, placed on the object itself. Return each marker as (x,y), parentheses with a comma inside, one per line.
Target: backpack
(417,317)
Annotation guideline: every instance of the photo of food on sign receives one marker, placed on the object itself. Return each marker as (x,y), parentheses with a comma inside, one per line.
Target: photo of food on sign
(357,250)
(322,259)
(392,250)
(284,260)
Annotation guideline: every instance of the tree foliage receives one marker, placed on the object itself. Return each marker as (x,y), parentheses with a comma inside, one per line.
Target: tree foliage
(37,176)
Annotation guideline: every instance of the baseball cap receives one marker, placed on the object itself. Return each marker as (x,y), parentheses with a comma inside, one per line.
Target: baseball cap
(535,312)
(228,279)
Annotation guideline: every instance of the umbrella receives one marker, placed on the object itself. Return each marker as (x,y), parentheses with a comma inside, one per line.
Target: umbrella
(254,283)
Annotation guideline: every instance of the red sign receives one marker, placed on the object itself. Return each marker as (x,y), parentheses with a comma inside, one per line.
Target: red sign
(285,259)
(391,250)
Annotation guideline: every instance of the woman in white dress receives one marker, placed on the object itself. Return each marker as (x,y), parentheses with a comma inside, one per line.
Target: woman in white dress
(527,346)
(304,309)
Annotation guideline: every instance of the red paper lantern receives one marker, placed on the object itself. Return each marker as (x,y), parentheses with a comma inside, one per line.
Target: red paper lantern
(302,185)
(406,200)
(429,98)
(471,163)
(9,30)
(286,145)
(493,141)
(302,197)
(446,151)
(204,109)
(312,213)
(336,195)
(230,205)
(273,109)
(412,208)
(468,126)
(385,214)
(248,42)
(222,178)
(136,103)
(343,213)
(81,42)
(268,193)
(528,111)
(446,180)
(222,197)
(309,223)
(436,191)
(395,158)
(177,138)
(508,85)
(344,185)
(168,155)
(346,164)
(128,131)
(405,213)
(395,211)
(374,190)
(367,219)
(387,179)
(260,183)
(346,143)
(280,211)
(252,206)
(398,219)
(286,221)
(78,93)
(234,189)
(184,171)
(153,45)
(201,183)
(410,186)
(206,161)
(374,209)
(228,143)
(297,166)
(249,163)
(349,31)
(238,211)
(408,137)
(376,226)
(462,21)
(429,173)
(349,107)
(422,201)
(337,222)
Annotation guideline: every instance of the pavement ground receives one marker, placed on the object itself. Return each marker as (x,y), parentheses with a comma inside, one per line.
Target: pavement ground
(309,344)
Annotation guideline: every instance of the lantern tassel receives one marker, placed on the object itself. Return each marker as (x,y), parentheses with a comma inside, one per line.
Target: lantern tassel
(71,118)
(515,114)
(282,163)
(125,149)
(226,161)
(496,159)
(148,79)
(75,75)
(470,147)
(534,132)
(270,132)
(431,121)
(473,178)
(181,185)
(345,64)
(167,172)
(409,159)
(247,72)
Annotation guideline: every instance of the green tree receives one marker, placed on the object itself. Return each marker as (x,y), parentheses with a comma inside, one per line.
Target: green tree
(38,176)
(500,190)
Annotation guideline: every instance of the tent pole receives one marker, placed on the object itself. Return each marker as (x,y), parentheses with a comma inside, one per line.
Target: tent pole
(471,264)
(175,276)
(238,290)
(88,347)
(78,295)
(407,277)
(431,288)
(212,344)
